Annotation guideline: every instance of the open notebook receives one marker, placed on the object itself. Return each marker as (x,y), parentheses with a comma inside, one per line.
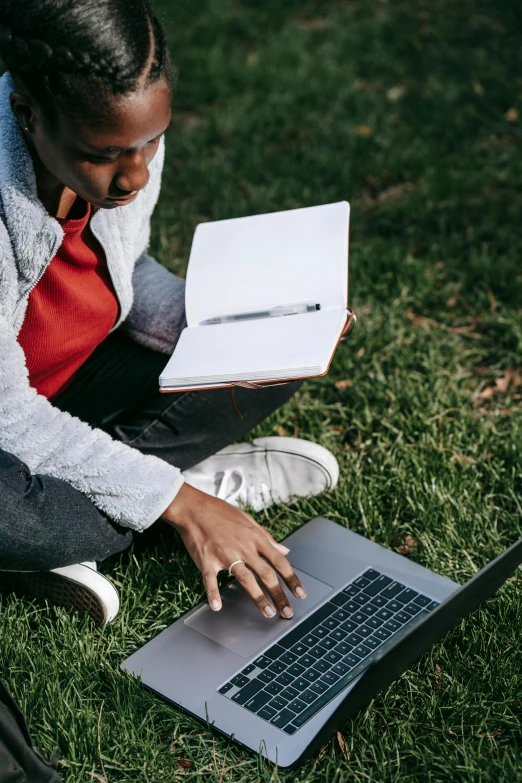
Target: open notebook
(243,275)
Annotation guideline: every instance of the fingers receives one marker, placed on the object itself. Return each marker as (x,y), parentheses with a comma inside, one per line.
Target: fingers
(211,586)
(248,582)
(283,567)
(280,547)
(273,586)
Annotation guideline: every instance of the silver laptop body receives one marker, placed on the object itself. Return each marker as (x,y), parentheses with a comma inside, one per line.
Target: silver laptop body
(204,652)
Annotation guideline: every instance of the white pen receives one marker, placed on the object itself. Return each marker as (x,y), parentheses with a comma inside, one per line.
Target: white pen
(273,312)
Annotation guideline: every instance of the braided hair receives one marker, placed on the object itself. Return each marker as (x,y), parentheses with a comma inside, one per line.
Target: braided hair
(74,53)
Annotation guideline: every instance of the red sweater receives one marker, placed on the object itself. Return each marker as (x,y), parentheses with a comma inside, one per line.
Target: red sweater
(71,309)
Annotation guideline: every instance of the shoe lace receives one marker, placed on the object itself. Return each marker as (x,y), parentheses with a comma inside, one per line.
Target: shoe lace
(234,488)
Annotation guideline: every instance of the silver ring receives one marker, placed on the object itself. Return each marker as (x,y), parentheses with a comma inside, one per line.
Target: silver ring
(231,566)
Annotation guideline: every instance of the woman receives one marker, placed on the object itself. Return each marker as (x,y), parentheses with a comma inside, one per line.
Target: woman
(89,451)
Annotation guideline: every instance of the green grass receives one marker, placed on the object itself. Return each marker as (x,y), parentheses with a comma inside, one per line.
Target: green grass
(408,109)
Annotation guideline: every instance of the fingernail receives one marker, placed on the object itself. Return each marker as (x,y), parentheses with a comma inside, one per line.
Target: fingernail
(215,606)
(269,611)
(283,548)
(300,593)
(288,612)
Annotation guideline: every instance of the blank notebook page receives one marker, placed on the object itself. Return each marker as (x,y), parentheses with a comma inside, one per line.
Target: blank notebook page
(258,349)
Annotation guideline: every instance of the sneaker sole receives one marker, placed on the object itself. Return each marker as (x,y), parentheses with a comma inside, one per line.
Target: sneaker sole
(62,591)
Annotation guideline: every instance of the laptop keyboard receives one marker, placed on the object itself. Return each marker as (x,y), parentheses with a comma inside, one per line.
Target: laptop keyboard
(295,677)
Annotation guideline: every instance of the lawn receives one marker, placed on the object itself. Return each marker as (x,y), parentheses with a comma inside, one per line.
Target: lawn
(411,110)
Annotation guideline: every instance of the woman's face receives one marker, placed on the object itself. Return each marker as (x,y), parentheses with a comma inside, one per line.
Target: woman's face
(106,162)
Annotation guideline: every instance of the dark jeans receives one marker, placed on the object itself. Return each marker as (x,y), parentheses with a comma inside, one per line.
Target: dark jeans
(45,523)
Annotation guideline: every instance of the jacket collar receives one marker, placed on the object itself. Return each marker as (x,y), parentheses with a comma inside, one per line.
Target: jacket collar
(35,235)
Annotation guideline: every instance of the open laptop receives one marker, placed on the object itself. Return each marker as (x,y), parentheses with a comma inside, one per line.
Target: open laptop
(282,687)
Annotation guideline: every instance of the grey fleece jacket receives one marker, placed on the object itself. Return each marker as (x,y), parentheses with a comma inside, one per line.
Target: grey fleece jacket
(131,488)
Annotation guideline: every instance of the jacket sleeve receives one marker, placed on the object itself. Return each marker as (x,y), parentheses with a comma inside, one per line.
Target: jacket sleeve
(133,489)
(157,316)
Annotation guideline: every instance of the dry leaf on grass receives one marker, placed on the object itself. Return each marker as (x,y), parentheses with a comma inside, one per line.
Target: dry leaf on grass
(421,320)
(363,130)
(511,379)
(405,544)
(316,23)
(281,430)
(462,459)
(344,384)
(511,115)
(342,744)
(184,763)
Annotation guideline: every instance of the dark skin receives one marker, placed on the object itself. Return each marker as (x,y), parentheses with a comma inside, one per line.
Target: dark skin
(106,163)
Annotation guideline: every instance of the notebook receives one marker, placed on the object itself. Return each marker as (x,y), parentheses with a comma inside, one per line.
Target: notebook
(266,299)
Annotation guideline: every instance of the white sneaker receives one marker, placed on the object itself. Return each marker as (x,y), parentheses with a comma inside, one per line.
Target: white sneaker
(77,586)
(266,471)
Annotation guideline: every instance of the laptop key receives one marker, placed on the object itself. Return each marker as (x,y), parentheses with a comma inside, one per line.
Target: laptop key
(384,614)
(307,660)
(372,642)
(375,622)
(285,678)
(239,680)
(328,643)
(290,729)
(362,650)
(319,687)
(392,625)
(431,607)
(289,693)
(358,618)
(274,652)
(267,712)
(248,669)
(284,717)
(349,626)
(421,600)
(248,691)
(339,600)
(354,639)
(393,590)
(299,649)
(339,635)
(402,617)
(340,669)
(258,701)
(351,660)
(368,609)
(332,656)
(312,675)
(274,688)
(295,669)
(308,696)
(331,623)
(377,585)
(226,687)
(351,590)
(365,631)
(371,574)
(310,640)
(359,599)
(297,705)
(288,658)
(267,676)
(262,662)
(277,667)
(318,651)
(351,607)
(411,609)
(300,684)
(278,703)
(343,648)
(381,633)
(361,582)
(393,606)
(406,596)
(341,614)
(379,601)
(321,666)
(329,678)
(321,632)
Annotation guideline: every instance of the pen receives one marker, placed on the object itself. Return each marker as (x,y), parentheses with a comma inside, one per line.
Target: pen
(273,312)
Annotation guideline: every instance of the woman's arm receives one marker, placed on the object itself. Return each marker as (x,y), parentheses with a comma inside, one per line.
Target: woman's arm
(132,488)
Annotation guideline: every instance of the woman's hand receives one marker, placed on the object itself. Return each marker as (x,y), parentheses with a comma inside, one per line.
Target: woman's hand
(216,534)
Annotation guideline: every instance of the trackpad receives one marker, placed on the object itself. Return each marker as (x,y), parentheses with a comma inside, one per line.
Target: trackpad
(240,626)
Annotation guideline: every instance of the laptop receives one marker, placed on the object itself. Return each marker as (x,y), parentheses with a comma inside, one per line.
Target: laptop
(282,687)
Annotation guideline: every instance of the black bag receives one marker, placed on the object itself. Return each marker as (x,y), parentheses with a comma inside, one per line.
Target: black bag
(20,762)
